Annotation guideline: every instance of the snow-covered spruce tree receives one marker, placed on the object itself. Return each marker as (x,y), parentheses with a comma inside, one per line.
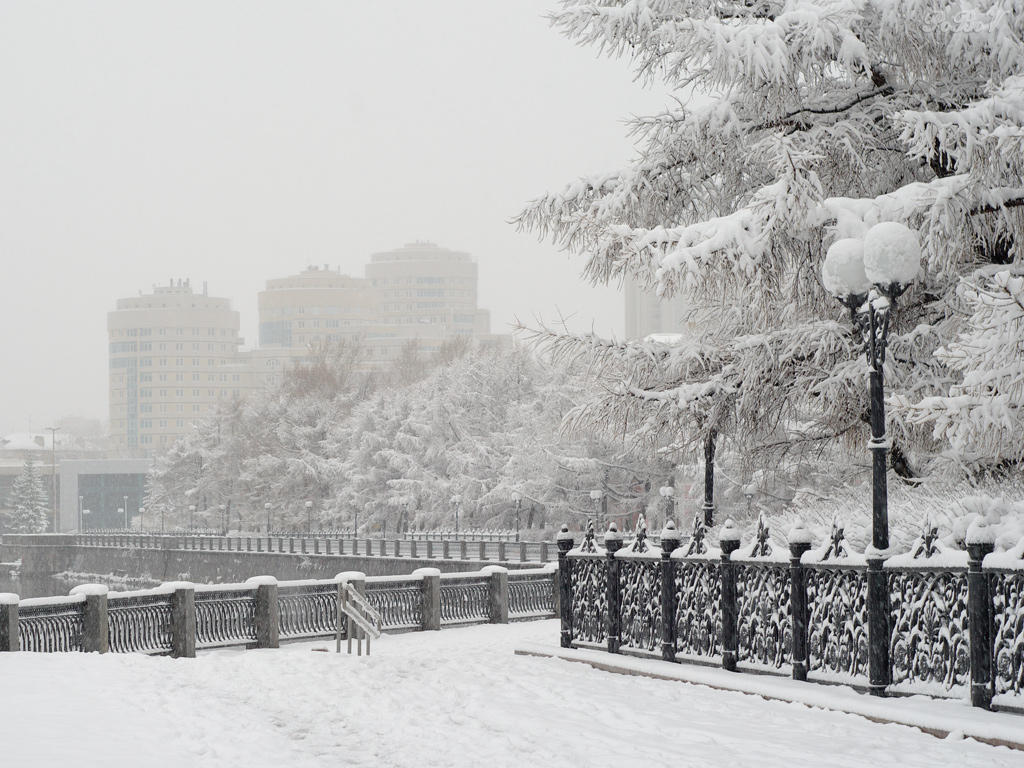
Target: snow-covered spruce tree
(28,501)
(812,121)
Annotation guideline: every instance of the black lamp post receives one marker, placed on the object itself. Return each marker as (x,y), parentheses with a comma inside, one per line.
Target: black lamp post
(517,497)
(191,517)
(224,518)
(267,507)
(597,496)
(457,502)
(309,518)
(867,276)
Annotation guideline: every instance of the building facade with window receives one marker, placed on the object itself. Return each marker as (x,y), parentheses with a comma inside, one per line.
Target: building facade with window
(174,354)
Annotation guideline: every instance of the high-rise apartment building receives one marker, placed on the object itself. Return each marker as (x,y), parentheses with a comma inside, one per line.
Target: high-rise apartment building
(315,306)
(426,294)
(173,356)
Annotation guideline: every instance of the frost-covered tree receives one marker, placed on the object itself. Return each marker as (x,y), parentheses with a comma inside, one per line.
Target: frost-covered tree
(982,417)
(795,123)
(28,501)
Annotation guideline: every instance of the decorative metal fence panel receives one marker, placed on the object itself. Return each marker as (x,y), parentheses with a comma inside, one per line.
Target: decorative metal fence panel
(530,597)
(400,603)
(640,601)
(139,623)
(225,617)
(764,625)
(930,641)
(308,610)
(837,600)
(1008,599)
(589,589)
(51,627)
(465,600)
(698,586)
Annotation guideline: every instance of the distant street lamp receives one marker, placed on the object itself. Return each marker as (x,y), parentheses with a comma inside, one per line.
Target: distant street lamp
(121,512)
(517,497)
(224,518)
(126,526)
(668,494)
(142,511)
(457,502)
(267,507)
(85,514)
(81,522)
(597,496)
(749,490)
(191,517)
(309,518)
(53,471)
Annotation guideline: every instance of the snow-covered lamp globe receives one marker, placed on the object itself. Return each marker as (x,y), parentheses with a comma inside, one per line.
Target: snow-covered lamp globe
(843,271)
(892,254)
(879,268)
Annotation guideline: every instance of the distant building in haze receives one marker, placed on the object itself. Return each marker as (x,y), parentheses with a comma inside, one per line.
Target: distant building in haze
(174,355)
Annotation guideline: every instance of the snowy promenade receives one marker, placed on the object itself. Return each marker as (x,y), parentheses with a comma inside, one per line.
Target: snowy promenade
(456,698)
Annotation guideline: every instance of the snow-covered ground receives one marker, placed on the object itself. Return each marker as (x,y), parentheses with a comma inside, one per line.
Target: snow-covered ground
(453,698)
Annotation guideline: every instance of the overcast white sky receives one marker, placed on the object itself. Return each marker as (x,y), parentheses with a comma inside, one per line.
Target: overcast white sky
(234,142)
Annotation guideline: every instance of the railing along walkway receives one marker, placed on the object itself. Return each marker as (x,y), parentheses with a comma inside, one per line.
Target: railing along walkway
(428,549)
(177,618)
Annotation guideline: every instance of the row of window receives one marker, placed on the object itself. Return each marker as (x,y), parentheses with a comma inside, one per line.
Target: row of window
(433,280)
(335,310)
(135,332)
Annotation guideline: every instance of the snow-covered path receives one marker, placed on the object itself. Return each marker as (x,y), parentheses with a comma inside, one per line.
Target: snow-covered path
(453,698)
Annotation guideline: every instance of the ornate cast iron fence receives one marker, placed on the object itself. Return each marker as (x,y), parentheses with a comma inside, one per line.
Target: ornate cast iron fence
(225,616)
(940,621)
(307,609)
(139,622)
(530,597)
(48,625)
(465,600)
(399,601)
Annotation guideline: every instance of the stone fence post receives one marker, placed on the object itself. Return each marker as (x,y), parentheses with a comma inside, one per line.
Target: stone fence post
(183,620)
(565,543)
(95,624)
(430,608)
(980,612)
(9,622)
(497,598)
(729,542)
(799,542)
(268,612)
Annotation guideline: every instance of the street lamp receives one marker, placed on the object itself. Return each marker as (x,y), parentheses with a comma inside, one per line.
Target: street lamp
(749,490)
(597,496)
(517,497)
(309,518)
(122,512)
(85,514)
(141,513)
(191,516)
(53,471)
(126,526)
(668,494)
(224,518)
(267,507)
(867,276)
(81,522)
(457,502)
